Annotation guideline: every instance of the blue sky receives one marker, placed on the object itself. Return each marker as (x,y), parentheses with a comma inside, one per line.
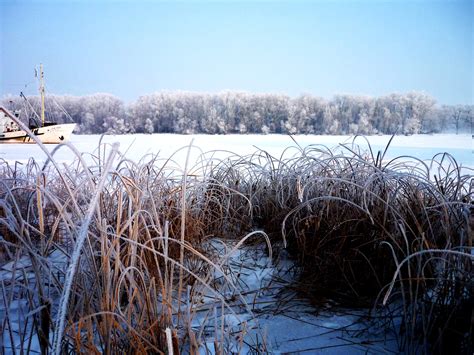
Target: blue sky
(318,47)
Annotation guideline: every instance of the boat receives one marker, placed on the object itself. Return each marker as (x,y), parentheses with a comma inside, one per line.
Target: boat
(11,130)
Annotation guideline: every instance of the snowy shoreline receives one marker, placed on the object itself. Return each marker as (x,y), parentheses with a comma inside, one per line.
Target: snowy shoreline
(136,146)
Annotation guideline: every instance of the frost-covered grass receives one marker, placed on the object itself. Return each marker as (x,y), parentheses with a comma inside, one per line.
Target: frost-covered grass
(147,248)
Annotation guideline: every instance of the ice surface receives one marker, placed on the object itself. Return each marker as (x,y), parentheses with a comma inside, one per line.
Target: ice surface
(137,145)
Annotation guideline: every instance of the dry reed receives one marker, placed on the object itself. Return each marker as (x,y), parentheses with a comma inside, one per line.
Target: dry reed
(126,245)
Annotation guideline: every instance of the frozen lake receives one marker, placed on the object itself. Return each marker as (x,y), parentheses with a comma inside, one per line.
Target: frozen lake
(136,146)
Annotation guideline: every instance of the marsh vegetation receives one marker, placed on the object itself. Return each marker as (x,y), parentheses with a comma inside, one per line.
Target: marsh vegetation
(107,254)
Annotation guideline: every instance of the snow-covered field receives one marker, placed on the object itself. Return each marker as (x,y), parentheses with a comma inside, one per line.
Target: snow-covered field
(137,145)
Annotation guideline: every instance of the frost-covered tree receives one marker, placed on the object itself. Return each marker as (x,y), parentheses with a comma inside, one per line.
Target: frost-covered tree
(148,126)
(461,116)
(364,126)
(241,112)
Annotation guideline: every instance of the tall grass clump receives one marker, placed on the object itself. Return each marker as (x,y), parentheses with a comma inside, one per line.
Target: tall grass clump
(358,223)
(107,255)
(112,255)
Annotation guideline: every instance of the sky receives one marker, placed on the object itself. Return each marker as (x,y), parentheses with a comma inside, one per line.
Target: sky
(322,48)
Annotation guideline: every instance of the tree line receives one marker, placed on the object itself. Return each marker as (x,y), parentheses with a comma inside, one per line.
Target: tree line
(239,112)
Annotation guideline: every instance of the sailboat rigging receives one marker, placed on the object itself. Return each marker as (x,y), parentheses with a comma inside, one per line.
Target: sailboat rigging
(46,132)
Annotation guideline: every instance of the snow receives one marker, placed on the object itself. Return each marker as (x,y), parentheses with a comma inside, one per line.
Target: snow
(15,272)
(275,316)
(285,322)
(136,146)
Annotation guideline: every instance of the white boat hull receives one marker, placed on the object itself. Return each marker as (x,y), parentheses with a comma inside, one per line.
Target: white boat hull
(53,134)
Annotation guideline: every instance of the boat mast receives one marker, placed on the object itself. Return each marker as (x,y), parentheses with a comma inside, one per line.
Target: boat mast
(41,89)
